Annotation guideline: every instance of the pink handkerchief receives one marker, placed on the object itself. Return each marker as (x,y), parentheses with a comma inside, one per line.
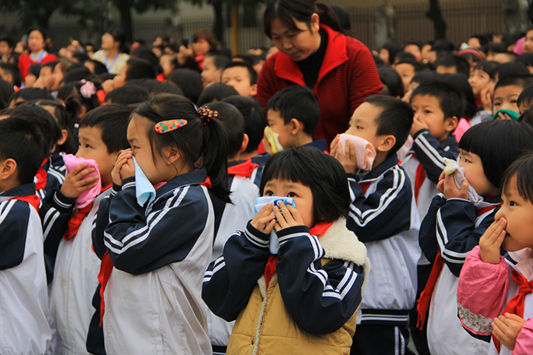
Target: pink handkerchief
(364,151)
(86,197)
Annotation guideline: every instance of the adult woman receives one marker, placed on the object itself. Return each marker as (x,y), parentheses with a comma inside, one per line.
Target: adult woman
(37,55)
(339,69)
(112,53)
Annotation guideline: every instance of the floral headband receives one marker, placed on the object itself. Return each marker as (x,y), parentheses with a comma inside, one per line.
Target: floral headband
(87,89)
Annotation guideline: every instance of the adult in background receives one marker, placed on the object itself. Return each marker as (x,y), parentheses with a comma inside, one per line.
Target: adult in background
(313,52)
(113,51)
(38,53)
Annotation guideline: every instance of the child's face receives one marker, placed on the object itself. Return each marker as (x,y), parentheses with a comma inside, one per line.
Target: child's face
(364,123)
(518,212)
(154,169)
(239,78)
(475,174)
(93,147)
(277,125)
(210,73)
(528,43)
(427,108)
(166,64)
(478,80)
(406,72)
(505,98)
(300,194)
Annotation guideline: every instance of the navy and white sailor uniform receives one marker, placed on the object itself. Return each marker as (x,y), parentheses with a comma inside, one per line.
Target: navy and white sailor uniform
(429,153)
(23,291)
(153,296)
(452,228)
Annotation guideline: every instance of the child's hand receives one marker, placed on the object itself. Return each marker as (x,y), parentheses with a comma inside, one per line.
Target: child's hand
(264,219)
(124,158)
(418,124)
(486,97)
(506,328)
(440,184)
(347,158)
(503,116)
(450,190)
(78,181)
(491,241)
(286,216)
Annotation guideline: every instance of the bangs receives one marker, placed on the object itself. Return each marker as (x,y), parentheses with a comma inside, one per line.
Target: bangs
(522,173)
(289,167)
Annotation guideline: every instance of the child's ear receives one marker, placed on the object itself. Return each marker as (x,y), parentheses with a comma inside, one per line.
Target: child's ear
(386,142)
(63,139)
(253,90)
(450,124)
(296,126)
(8,167)
(172,154)
(245,141)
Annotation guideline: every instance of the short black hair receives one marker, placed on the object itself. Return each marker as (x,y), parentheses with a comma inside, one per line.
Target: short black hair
(513,139)
(6,90)
(297,102)
(78,73)
(216,92)
(391,80)
(128,95)
(40,118)
(322,173)
(99,67)
(29,94)
(254,119)
(522,169)
(190,82)
(9,41)
(21,142)
(511,69)
(50,65)
(522,81)
(451,100)
(450,60)
(526,59)
(113,122)
(460,82)
(156,87)
(65,120)
(251,71)
(13,70)
(138,68)
(527,117)
(233,123)
(396,118)
(219,60)
(526,96)
(489,67)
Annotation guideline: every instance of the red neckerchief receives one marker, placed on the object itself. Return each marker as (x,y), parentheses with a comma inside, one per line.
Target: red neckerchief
(77,217)
(423,301)
(33,200)
(516,304)
(100,94)
(41,176)
(270,268)
(244,169)
(420,176)
(365,185)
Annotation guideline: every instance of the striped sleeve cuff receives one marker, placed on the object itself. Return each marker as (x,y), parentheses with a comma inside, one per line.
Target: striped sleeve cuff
(128,183)
(286,234)
(256,237)
(62,201)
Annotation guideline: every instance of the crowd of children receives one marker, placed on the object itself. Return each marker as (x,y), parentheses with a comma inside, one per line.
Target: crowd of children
(167,199)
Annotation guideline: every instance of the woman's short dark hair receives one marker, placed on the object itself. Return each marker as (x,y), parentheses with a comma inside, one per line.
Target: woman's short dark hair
(287,11)
(522,169)
(322,173)
(497,143)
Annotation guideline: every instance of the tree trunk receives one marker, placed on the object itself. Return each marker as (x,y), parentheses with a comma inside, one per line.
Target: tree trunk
(218,26)
(435,15)
(124,9)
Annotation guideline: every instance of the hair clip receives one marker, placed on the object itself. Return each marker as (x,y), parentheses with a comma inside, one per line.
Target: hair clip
(169,126)
(206,114)
(87,89)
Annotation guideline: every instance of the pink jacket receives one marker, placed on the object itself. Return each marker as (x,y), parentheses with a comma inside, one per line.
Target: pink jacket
(484,290)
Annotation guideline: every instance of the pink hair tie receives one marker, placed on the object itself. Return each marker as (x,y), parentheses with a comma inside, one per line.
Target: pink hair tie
(169,126)
(87,89)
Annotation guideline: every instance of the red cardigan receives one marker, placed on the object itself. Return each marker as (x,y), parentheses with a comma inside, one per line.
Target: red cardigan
(25,62)
(348,75)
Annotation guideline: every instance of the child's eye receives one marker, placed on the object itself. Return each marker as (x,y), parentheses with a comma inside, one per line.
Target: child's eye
(87,146)
(513,203)
(268,193)
(291,194)
(427,112)
(358,127)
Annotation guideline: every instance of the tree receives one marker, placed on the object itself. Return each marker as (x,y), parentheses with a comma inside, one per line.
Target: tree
(32,12)
(435,14)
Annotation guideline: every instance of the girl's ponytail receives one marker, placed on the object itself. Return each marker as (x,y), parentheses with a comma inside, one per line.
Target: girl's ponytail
(215,147)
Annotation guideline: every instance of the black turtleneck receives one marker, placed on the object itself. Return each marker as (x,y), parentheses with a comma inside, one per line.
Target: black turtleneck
(310,66)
